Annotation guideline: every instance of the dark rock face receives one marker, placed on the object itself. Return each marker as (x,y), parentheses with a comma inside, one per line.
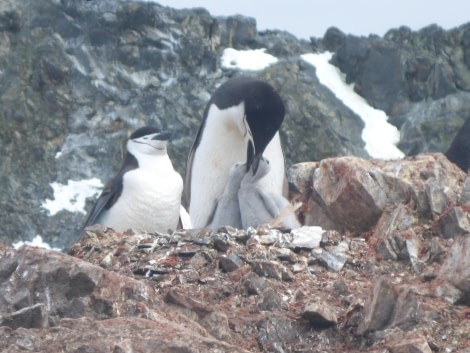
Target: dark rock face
(457,151)
(391,271)
(79,76)
(420,79)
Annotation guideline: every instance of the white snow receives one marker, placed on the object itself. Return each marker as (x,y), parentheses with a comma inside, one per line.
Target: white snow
(37,241)
(72,196)
(249,60)
(379,136)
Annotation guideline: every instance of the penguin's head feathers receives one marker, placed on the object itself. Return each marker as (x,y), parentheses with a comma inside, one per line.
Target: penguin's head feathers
(148,140)
(259,108)
(253,175)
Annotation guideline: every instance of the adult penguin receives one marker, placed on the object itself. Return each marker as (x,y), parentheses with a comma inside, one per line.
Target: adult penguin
(240,124)
(146,192)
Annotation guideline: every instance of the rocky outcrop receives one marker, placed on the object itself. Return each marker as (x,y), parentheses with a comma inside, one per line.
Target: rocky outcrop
(389,271)
(420,79)
(353,195)
(78,76)
(381,263)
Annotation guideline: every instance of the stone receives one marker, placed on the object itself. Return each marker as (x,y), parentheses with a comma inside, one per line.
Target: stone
(31,317)
(456,267)
(268,269)
(460,144)
(320,314)
(353,194)
(465,195)
(118,334)
(340,287)
(379,306)
(275,334)
(307,237)
(269,300)
(435,250)
(393,247)
(449,292)
(418,89)
(404,245)
(221,244)
(149,296)
(269,238)
(417,344)
(350,195)
(335,261)
(71,294)
(455,222)
(252,284)
(230,262)
(413,246)
(407,311)
(285,254)
(401,218)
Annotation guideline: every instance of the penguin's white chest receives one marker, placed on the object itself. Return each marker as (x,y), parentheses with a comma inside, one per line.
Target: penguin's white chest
(150,201)
(211,167)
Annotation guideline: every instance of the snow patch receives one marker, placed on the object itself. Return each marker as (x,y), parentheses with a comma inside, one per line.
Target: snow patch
(37,241)
(72,196)
(250,60)
(379,136)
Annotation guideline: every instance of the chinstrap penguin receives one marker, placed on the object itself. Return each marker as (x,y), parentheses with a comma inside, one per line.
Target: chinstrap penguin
(146,192)
(227,209)
(240,123)
(259,206)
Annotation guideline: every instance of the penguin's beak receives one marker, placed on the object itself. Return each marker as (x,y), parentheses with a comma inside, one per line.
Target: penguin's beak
(252,158)
(162,136)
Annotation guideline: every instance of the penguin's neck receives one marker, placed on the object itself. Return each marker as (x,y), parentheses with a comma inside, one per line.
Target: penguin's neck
(153,163)
(223,142)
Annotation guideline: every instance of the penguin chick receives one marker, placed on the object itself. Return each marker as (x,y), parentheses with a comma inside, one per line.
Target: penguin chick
(146,193)
(227,209)
(258,205)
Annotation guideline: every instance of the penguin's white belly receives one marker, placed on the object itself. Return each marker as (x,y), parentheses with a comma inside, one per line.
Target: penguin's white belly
(148,202)
(211,168)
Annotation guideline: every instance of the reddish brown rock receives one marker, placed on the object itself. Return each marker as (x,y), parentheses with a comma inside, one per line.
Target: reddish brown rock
(455,222)
(350,193)
(456,268)
(320,314)
(379,306)
(417,344)
(237,290)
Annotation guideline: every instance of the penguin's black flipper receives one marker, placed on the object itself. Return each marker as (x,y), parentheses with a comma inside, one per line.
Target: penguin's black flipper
(111,192)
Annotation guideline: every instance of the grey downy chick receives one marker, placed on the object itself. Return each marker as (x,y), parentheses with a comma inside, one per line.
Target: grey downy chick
(227,209)
(258,206)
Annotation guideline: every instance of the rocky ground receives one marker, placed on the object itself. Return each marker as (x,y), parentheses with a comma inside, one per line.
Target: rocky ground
(387,271)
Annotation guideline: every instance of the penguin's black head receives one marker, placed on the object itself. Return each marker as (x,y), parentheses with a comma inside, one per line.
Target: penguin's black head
(143,131)
(148,140)
(264,112)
